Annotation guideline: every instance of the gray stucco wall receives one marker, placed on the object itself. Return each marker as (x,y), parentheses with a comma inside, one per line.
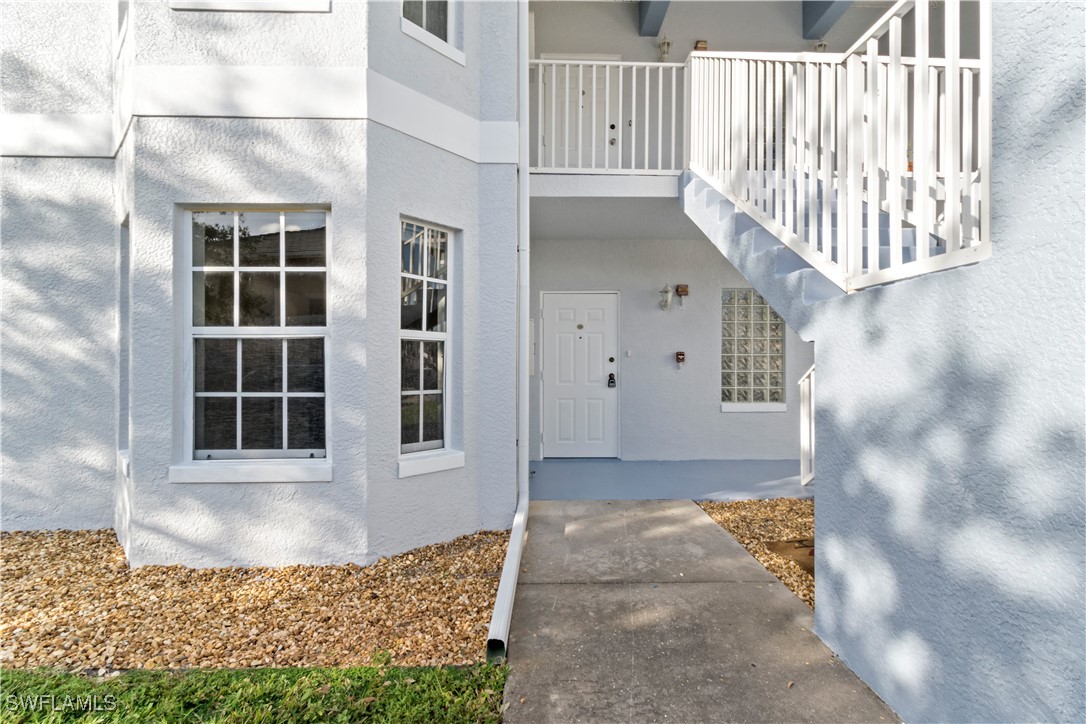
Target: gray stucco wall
(950,514)
(410,178)
(183,37)
(244,161)
(58,339)
(40,74)
(667,413)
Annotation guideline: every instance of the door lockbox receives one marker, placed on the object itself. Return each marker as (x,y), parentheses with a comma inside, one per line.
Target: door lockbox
(611,380)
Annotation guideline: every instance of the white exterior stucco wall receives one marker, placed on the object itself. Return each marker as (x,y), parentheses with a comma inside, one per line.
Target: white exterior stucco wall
(410,178)
(245,162)
(667,413)
(950,426)
(58,341)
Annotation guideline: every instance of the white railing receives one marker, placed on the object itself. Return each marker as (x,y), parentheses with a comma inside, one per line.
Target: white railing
(871,167)
(807,427)
(607,117)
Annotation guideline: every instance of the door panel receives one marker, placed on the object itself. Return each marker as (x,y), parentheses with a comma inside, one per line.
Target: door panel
(580,353)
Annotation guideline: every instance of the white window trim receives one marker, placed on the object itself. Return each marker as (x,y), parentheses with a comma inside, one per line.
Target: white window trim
(446,457)
(430,461)
(255,6)
(262,470)
(754,407)
(433,42)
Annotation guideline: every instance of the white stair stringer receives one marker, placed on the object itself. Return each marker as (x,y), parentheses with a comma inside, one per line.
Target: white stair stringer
(790,285)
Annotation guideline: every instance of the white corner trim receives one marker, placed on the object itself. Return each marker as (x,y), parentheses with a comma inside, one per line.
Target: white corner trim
(429,462)
(753,407)
(432,41)
(57,134)
(593,183)
(249,91)
(255,6)
(263,471)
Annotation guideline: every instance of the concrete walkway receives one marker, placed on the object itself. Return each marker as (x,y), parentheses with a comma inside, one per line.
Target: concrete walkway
(646,611)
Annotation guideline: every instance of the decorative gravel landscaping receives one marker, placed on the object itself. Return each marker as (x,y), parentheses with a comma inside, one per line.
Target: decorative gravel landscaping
(70,602)
(759,524)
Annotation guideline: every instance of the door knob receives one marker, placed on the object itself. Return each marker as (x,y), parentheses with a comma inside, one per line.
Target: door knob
(611,380)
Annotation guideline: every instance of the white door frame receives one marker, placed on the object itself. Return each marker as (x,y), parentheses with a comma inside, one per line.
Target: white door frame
(542,359)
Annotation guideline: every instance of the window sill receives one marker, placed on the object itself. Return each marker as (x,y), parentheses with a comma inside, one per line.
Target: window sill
(264,471)
(429,462)
(753,407)
(432,41)
(255,6)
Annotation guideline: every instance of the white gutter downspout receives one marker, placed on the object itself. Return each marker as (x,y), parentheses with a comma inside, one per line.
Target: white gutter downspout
(498,637)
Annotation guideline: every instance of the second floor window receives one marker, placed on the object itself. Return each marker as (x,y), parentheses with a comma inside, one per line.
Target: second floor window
(430,15)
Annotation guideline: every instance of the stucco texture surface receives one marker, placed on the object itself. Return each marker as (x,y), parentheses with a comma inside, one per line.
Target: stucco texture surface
(408,178)
(171,37)
(58,337)
(40,72)
(950,517)
(666,412)
(244,162)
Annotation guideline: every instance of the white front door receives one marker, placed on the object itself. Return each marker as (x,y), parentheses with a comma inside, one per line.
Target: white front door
(580,375)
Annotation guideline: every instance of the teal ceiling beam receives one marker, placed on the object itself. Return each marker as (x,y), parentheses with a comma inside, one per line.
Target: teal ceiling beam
(818,16)
(652,14)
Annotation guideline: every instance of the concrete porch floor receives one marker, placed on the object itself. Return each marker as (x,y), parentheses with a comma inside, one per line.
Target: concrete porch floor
(611,479)
(647,611)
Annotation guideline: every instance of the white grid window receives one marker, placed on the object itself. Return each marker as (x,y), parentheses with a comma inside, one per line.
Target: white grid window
(751,350)
(424,335)
(259,333)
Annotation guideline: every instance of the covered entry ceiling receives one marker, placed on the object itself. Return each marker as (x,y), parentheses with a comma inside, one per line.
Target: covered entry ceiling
(608,219)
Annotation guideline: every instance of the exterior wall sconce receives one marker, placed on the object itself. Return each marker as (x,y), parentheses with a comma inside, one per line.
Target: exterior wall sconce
(681,291)
(701,45)
(665,49)
(665,298)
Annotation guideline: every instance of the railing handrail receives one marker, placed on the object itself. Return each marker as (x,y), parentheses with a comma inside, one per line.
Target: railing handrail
(601,63)
(773,56)
(901,7)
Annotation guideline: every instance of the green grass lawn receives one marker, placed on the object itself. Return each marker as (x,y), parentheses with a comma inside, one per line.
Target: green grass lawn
(377,693)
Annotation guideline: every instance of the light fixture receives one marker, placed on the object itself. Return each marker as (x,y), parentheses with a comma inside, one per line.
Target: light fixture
(665,298)
(665,49)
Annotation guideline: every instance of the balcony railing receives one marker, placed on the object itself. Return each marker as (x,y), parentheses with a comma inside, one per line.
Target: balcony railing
(871,167)
(607,117)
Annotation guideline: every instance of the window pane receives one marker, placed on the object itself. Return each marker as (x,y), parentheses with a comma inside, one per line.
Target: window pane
(305,365)
(212,299)
(433,418)
(412,236)
(437,18)
(412,10)
(409,365)
(435,307)
(258,238)
(437,254)
(305,299)
(305,238)
(259,299)
(410,303)
(261,423)
(433,365)
(216,423)
(261,365)
(305,423)
(213,238)
(409,419)
(216,365)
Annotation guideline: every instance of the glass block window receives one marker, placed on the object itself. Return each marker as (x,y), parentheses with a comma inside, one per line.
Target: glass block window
(424,335)
(751,349)
(259,331)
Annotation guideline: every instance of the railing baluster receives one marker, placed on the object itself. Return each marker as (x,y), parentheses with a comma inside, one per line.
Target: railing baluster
(554,105)
(968,214)
(778,140)
(712,159)
(790,147)
(952,164)
(606,117)
(984,123)
(660,117)
(621,123)
(895,144)
(853,241)
(801,151)
(565,120)
(871,155)
(595,102)
(826,191)
(580,113)
(923,178)
(812,155)
(759,133)
(540,74)
(674,135)
(838,168)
